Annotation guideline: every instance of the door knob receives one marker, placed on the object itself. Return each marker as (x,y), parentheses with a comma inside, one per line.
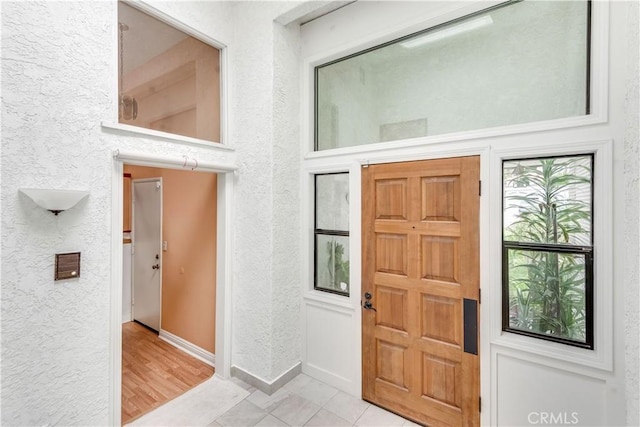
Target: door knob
(367,306)
(156,267)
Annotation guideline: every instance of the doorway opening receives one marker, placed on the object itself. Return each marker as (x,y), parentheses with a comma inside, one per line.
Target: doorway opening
(169,281)
(217,220)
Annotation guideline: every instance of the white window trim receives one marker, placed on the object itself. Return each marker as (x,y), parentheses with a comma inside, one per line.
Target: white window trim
(307,193)
(601,357)
(167,136)
(598,90)
(224,86)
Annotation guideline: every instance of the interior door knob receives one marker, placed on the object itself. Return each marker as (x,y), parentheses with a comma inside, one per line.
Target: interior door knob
(156,267)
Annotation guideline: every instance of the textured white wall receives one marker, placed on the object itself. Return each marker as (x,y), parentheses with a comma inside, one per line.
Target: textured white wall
(285,297)
(265,131)
(251,132)
(632,220)
(58,83)
(55,358)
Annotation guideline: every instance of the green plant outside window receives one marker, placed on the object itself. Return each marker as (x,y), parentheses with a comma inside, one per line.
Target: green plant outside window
(548,249)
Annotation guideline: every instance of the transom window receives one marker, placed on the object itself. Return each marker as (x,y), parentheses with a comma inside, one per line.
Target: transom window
(167,80)
(331,233)
(518,62)
(548,248)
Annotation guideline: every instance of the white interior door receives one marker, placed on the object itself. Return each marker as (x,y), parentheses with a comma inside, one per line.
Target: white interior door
(147,251)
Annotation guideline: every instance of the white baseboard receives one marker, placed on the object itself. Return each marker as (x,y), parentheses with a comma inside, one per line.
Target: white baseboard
(267,387)
(332,379)
(127,318)
(192,349)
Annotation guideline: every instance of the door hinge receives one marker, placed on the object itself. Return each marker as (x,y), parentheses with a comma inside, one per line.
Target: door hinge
(479,296)
(479,404)
(479,188)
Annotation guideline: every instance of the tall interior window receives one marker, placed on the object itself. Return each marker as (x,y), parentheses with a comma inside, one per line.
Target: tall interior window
(167,80)
(516,63)
(332,233)
(548,248)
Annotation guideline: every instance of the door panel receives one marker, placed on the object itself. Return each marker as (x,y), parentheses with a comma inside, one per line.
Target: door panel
(420,261)
(147,247)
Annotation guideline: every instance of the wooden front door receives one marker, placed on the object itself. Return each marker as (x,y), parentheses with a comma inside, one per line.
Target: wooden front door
(420,284)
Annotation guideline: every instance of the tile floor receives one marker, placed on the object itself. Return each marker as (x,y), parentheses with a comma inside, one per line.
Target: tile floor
(305,402)
(199,406)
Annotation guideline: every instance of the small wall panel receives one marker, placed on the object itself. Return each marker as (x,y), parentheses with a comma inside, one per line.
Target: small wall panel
(529,393)
(441,198)
(391,253)
(329,342)
(442,380)
(391,199)
(441,318)
(392,308)
(440,258)
(390,361)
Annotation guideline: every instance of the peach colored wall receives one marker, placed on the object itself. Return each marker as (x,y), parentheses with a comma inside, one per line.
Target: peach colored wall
(189,264)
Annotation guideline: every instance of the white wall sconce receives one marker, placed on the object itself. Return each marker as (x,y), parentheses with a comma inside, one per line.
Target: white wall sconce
(54,201)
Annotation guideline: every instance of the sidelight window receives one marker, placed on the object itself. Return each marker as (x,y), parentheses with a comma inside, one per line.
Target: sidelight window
(331,233)
(548,248)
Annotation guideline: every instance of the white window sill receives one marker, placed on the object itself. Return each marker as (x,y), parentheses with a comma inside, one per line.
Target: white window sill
(180,139)
(507,130)
(552,350)
(325,298)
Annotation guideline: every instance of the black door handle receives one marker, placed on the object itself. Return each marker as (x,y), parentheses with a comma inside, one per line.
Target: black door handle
(156,267)
(367,306)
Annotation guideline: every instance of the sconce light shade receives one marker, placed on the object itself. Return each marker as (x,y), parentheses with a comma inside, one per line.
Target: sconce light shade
(55,201)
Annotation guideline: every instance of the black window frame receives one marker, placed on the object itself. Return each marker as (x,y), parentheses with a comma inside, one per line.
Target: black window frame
(324,232)
(558,248)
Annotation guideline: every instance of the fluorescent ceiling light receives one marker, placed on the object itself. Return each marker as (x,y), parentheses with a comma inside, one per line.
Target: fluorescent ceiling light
(449,32)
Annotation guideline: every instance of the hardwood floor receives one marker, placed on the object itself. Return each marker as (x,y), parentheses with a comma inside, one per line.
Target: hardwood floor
(154,372)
